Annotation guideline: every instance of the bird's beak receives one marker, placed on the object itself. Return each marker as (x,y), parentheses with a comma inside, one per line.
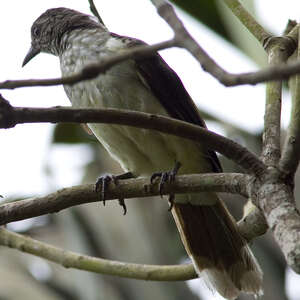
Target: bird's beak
(30,55)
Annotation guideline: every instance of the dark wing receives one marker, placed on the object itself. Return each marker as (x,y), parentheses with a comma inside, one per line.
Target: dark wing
(169,90)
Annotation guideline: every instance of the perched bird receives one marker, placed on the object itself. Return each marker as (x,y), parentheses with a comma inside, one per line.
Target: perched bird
(148,84)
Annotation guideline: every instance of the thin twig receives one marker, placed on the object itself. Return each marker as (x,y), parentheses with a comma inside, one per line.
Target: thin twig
(133,188)
(278,72)
(70,259)
(95,11)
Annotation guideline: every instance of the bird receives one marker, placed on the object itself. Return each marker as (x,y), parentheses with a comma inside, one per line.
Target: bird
(147,84)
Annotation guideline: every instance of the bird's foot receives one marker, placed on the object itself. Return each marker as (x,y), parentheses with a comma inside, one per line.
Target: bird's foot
(168,177)
(103,182)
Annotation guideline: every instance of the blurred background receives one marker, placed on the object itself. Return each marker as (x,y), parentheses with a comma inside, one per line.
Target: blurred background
(38,159)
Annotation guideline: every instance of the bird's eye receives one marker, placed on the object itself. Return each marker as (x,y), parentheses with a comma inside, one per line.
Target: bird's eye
(36,31)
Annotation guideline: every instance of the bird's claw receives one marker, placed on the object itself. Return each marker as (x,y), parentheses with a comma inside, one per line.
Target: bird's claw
(122,203)
(168,177)
(103,182)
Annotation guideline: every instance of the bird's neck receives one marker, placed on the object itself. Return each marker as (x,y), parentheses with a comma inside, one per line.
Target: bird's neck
(81,39)
(80,48)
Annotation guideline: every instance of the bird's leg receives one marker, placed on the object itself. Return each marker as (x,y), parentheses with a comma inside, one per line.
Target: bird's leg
(103,182)
(167,177)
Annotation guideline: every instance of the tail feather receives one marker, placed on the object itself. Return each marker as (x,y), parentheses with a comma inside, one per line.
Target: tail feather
(219,253)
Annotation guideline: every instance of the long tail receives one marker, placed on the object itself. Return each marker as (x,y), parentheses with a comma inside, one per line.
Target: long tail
(219,253)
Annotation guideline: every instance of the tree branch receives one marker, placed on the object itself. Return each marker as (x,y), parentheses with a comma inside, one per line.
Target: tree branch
(291,150)
(10,116)
(271,134)
(278,72)
(278,205)
(279,49)
(140,187)
(253,225)
(247,20)
(70,259)
(90,71)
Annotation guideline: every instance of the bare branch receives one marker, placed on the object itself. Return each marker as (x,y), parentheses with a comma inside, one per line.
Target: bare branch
(279,49)
(185,40)
(95,11)
(140,187)
(278,205)
(271,135)
(248,21)
(278,72)
(253,225)
(90,71)
(291,150)
(10,116)
(70,259)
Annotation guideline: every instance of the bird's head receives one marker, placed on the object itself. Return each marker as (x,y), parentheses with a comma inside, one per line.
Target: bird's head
(48,29)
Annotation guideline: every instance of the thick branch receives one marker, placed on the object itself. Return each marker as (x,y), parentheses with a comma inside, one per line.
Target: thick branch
(140,187)
(70,259)
(10,116)
(278,205)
